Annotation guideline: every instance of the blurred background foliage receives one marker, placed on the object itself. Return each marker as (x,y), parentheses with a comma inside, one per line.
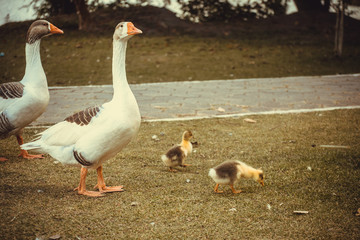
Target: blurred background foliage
(194,10)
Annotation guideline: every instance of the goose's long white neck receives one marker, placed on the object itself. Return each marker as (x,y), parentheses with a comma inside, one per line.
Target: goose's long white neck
(34,72)
(120,82)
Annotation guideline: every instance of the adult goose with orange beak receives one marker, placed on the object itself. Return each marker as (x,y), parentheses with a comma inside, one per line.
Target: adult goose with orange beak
(98,133)
(23,102)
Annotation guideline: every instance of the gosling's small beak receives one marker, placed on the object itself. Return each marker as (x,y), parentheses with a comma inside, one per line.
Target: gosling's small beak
(55,30)
(132,30)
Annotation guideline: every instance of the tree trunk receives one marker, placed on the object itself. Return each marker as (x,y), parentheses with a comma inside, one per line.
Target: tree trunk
(84,15)
(339,28)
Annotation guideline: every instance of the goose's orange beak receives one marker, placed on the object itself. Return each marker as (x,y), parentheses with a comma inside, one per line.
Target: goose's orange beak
(132,30)
(55,30)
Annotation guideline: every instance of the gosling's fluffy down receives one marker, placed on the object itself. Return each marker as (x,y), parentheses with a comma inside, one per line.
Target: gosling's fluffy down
(176,155)
(227,173)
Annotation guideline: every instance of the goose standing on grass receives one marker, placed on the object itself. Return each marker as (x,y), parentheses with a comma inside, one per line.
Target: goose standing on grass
(23,102)
(97,133)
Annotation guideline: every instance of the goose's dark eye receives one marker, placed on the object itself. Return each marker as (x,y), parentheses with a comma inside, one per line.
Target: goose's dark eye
(121,25)
(45,24)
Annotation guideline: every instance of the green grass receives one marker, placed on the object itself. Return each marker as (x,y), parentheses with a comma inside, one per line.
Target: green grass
(37,197)
(77,58)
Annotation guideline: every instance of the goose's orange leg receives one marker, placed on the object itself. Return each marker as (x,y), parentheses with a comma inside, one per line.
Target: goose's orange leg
(82,187)
(172,170)
(216,189)
(2,159)
(24,153)
(101,183)
(234,190)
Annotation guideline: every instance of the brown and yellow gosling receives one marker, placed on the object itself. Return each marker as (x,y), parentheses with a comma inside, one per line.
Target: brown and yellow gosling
(176,155)
(227,173)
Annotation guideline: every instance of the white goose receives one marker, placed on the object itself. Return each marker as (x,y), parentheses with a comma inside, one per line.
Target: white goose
(22,102)
(98,133)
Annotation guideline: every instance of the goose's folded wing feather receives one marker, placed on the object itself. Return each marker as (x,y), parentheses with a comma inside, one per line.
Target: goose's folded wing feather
(10,93)
(70,130)
(62,134)
(5,125)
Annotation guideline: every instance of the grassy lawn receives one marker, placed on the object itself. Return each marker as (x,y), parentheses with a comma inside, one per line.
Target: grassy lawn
(37,197)
(78,58)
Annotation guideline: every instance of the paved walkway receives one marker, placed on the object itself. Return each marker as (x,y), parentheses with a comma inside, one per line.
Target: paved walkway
(203,99)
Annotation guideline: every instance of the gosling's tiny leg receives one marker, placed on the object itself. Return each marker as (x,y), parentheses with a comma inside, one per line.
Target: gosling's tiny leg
(234,190)
(186,165)
(216,189)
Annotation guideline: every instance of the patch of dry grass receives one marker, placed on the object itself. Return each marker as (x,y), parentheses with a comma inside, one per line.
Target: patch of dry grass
(37,197)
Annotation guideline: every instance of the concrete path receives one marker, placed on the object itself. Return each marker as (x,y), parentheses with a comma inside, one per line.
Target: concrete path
(203,99)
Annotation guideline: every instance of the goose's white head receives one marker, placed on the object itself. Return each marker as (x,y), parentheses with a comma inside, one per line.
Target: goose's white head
(40,29)
(125,30)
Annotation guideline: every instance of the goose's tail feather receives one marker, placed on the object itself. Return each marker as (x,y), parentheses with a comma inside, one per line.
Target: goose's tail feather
(32,146)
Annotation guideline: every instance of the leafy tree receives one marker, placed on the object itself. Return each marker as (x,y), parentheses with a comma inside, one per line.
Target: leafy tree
(312,5)
(340,7)
(220,10)
(47,8)
(83,13)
